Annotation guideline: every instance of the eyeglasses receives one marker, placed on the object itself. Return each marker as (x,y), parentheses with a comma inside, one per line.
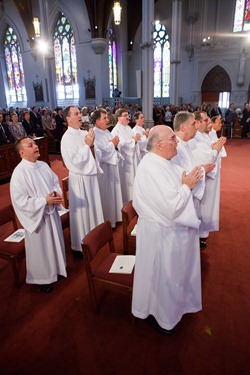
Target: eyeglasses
(173,139)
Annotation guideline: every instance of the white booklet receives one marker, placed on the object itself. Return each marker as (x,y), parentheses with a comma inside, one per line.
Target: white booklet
(17,236)
(133,233)
(63,211)
(123,264)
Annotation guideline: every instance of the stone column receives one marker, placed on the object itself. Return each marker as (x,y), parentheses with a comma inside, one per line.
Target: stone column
(191,18)
(49,83)
(123,50)
(147,61)
(242,68)
(175,51)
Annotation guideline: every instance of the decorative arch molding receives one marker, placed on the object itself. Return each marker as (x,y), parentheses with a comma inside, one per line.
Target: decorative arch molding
(7,21)
(54,13)
(217,79)
(207,68)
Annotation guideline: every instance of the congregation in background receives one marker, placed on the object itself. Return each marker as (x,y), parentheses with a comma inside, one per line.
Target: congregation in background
(171,173)
(32,122)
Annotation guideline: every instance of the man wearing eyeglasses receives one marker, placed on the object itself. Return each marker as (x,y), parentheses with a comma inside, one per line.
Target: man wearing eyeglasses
(167,281)
(129,148)
(138,128)
(204,151)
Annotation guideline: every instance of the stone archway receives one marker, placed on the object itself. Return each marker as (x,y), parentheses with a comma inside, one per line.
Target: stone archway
(217,80)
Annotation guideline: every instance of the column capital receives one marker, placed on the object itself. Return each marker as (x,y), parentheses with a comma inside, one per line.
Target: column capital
(99,45)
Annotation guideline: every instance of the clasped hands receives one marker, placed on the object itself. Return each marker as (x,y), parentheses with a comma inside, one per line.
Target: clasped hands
(115,140)
(219,144)
(89,138)
(137,137)
(191,179)
(54,199)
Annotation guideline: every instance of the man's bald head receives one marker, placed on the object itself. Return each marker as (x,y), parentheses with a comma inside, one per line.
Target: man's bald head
(155,135)
(162,141)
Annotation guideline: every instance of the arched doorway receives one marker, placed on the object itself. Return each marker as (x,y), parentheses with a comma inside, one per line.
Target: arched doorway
(216,81)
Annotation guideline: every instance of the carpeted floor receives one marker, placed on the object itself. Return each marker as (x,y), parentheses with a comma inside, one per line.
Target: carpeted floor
(57,333)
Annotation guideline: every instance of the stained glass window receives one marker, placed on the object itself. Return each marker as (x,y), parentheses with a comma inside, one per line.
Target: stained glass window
(65,60)
(242,16)
(161,61)
(112,63)
(14,67)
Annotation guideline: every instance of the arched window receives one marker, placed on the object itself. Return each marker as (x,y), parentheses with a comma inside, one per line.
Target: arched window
(14,67)
(161,61)
(65,60)
(242,16)
(112,63)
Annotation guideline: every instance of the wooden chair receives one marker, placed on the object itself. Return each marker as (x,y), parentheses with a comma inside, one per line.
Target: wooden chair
(65,189)
(129,220)
(97,268)
(65,220)
(52,142)
(13,252)
(65,217)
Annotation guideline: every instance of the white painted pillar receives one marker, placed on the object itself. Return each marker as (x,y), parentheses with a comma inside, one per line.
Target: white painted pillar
(175,51)
(147,61)
(49,84)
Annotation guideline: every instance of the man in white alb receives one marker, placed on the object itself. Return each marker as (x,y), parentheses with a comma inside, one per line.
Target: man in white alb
(109,180)
(185,130)
(206,152)
(129,148)
(167,279)
(36,197)
(216,127)
(81,159)
(138,129)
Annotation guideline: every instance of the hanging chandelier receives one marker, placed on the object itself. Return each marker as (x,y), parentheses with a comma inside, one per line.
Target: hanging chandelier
(36,24)
(117,9)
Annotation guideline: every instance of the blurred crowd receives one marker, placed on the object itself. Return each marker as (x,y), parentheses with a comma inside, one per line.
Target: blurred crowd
(34,122)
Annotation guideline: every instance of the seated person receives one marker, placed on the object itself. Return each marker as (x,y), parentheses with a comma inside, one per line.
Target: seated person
(5,135)
(27,124)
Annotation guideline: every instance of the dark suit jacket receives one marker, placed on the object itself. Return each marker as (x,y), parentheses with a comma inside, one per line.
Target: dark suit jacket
(3,139)
(36,120)
(215,112)
(28,127)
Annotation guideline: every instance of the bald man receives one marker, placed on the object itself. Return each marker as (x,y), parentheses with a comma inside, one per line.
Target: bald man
(167,282)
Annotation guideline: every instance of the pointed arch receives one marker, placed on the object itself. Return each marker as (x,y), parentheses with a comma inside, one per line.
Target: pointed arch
(14,67)
(161,61)
(216,86)
(65,60)
(6,22)
(217,79)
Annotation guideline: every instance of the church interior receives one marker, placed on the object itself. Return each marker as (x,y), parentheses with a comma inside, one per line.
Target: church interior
(188,54)
(204,45)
